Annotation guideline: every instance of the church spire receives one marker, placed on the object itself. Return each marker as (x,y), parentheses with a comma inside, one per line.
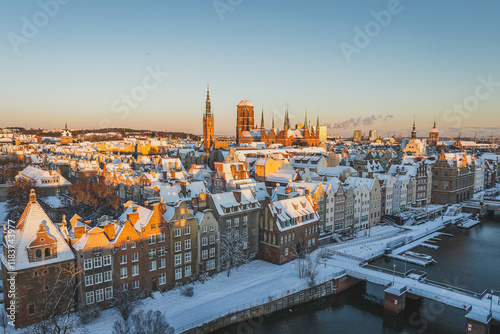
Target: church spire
(272,127)
(262,119)
(414,131)
(434,123)
(208,108)
(305,121)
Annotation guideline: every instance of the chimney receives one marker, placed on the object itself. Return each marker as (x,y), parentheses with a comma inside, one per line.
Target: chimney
(288,190)
(32,195)
(109,229)
(134,208)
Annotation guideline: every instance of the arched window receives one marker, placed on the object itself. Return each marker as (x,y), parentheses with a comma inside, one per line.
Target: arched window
(38,254)
(47,252)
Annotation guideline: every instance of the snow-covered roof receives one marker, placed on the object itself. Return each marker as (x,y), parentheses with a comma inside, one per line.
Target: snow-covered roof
(293,212)
(26,231)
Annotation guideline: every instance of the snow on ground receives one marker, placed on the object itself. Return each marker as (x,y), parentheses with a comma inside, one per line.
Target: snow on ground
(251,282)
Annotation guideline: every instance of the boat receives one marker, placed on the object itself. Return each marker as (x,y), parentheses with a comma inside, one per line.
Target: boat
(420,256)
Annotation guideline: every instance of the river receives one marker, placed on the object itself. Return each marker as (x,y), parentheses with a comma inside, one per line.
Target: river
(470,260)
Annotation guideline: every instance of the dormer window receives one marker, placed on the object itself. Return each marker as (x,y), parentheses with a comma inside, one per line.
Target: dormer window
(47,253)
(38,254)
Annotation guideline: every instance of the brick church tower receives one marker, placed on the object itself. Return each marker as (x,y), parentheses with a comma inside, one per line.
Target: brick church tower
(434,135)
(208,127)
(245,120)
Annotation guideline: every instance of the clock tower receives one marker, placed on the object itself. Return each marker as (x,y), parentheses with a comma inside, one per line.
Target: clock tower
(208,127)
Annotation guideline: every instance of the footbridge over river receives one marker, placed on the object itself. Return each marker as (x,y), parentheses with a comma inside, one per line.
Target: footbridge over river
(482,308)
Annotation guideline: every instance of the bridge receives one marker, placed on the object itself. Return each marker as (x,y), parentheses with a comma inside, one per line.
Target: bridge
(483,207)
(481,308)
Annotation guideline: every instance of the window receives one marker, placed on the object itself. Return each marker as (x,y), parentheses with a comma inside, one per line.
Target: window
(124,287)
(177,232)
(135,285)
(245,220)
(133,245)
(87,264)
(123,259)
(204,229)
(212,252)
(212,240)
(187,230)
(204,241)
(152,265)
(162,279)
(228,223)
(211,265)
(89,297)
(161,237)
(212,228)
(97,262)
(187,244)
(178,273)
(89,280)
(162,263)
(108,292)
(187,271)
(178,259)
(99,295)
(107,276)
(177,246)
(47,252)
(98,278)
(135,257)
(204,255)
(31,309)
(106,260)
(135,270)
(124,246)
(123,273)
(151,239)
(236,222)
(38,254)
(161,251)
(286,251)
(187,257)
(152,253)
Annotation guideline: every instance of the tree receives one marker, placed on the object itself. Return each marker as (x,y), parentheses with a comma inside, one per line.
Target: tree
(18,195)
(151,322)
(93,198)
(126,302)
(307,265)
(56,306)
(232,248)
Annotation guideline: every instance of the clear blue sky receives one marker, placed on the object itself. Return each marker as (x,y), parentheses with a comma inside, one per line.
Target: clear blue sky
(80,61)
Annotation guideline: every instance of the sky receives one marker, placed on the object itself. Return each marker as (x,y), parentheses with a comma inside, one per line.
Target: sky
(146,64)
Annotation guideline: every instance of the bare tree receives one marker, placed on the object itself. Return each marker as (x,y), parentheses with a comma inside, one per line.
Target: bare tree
(151,322)
(307,265)
(56,306)
(127,301)
(18,195)
(232,249)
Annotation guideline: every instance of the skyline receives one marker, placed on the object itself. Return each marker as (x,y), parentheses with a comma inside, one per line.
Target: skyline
(423,61)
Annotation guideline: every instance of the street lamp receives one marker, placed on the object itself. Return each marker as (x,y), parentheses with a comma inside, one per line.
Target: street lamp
(394,274)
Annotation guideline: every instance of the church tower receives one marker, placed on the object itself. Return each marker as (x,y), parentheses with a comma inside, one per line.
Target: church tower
(208,126)
(245,120)
(434,135)
(414,130)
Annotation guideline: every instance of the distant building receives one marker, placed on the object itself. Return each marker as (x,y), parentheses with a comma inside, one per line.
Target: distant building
(247,132)
(66,136)
(357,136)
(373,135)
(434,135)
